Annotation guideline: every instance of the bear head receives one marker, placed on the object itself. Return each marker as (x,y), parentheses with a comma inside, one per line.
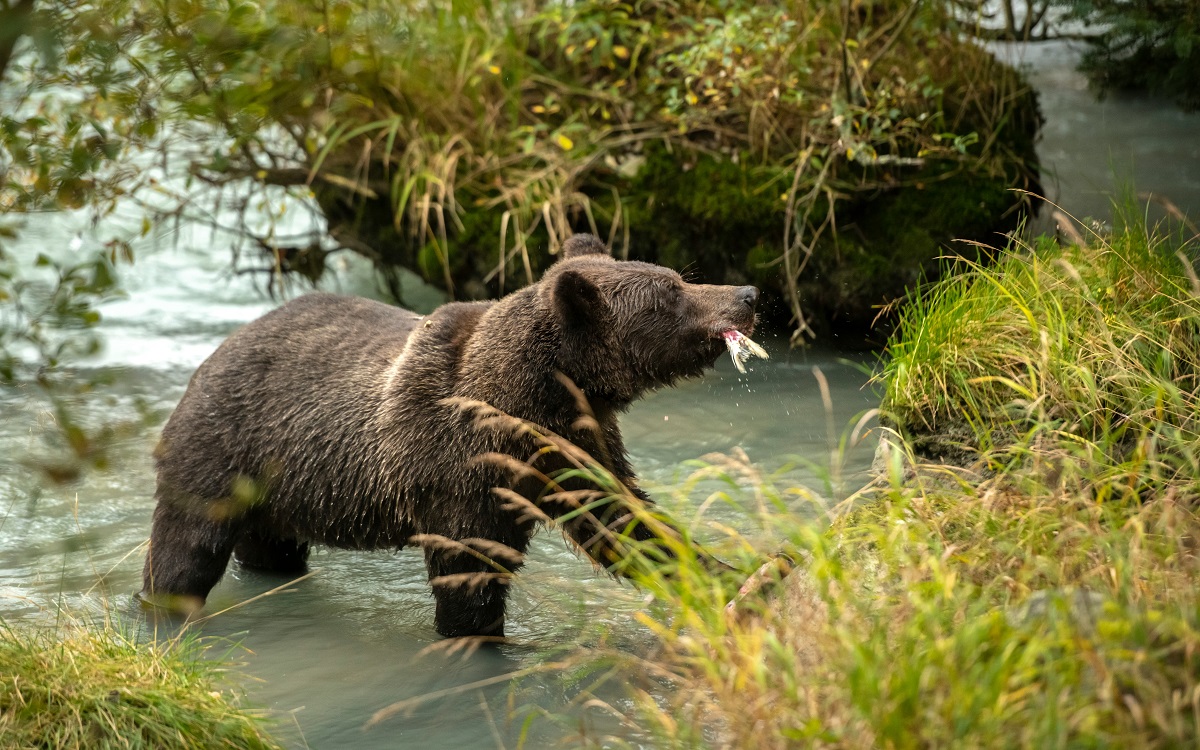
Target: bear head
(628,326)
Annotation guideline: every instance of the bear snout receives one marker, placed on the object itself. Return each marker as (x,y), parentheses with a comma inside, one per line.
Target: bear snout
(737,310)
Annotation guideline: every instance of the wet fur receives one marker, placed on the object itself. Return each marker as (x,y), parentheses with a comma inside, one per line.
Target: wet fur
(325,422)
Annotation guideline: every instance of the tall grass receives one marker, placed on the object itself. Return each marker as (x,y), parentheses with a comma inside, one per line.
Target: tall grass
(1040,592)
(91,686)
(1095,341)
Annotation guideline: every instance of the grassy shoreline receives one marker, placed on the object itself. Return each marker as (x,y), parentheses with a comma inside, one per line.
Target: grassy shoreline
(1037,589)
(96,685)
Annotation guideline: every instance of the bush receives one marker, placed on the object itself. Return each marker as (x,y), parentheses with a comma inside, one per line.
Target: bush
(465,140)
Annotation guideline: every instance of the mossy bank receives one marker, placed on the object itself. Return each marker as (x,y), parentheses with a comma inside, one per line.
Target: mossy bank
(747,156)
(825,151)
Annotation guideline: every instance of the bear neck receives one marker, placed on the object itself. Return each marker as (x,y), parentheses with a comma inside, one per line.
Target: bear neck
(512,360)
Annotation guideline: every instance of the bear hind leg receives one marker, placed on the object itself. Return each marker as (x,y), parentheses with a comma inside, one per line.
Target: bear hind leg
(187,557)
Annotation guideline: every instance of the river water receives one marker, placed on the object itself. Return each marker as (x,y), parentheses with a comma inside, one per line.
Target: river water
(1091,149)
(326,653)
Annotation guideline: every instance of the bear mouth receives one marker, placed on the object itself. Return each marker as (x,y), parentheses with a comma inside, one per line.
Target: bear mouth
(721,332)
(715,343)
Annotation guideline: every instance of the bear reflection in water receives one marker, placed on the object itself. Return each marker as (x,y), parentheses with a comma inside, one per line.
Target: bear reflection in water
(341,421)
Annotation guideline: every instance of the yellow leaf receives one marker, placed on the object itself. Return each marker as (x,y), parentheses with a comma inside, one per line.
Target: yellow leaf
(590,44)
(691,98)
(621,51)
(565,143)
(494,69)
(537,109)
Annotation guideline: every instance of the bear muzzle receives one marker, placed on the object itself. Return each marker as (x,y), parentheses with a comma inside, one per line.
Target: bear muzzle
(738,313)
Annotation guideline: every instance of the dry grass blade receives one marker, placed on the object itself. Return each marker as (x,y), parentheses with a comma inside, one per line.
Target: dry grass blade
(517,503)
(485,550)
(470,581)
(388,712)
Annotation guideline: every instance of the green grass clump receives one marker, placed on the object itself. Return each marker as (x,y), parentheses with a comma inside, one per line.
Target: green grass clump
(77,686)
(1097,344)
(1042,596)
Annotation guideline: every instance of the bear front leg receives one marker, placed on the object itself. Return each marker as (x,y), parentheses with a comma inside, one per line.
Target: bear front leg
(471,593)
(187,557)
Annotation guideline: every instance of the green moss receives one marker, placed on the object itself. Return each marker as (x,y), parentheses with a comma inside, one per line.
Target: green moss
(760,262)
(707,188)
(966,203)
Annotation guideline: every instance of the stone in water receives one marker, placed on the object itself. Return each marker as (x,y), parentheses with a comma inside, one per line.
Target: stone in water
(741,348)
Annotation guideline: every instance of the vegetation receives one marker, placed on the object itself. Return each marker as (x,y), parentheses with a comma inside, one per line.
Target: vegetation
(48,318)
(94,686)
(1038,585)
(465,139)
(1097,342)
(1039,594)
(1147,45)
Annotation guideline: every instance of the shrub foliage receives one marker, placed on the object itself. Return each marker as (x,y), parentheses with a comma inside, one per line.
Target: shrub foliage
(466,139)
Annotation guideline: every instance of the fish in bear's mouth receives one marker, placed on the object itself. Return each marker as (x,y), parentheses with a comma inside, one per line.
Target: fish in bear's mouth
(742,348)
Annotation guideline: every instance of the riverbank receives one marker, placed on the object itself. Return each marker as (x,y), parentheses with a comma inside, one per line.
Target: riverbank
(79,685)
(1038,590)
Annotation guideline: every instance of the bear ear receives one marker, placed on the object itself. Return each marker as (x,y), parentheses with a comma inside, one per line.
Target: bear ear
(583,244)
(575,298)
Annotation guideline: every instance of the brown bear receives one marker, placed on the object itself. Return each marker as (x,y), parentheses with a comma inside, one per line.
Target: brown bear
(332,420)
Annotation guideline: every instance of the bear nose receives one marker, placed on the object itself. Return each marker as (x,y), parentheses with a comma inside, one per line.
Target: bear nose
(748,295)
